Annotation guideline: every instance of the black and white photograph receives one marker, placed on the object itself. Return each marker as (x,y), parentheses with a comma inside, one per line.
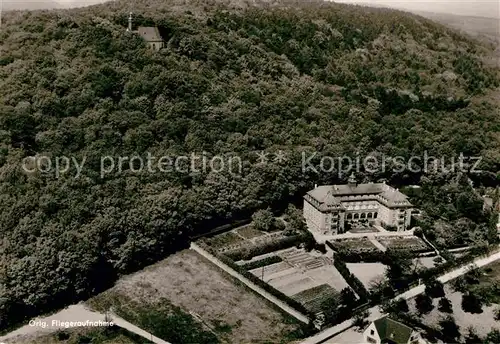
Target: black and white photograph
(249,172)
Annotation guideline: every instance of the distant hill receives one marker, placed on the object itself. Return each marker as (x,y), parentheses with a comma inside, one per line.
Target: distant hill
(30,5)
(480,27)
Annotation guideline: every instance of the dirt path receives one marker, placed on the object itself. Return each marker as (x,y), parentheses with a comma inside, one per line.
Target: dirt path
(74,313)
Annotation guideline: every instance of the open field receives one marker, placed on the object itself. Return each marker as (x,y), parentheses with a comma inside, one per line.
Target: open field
(412,243)
(483,322)
(367,272)
(224,306)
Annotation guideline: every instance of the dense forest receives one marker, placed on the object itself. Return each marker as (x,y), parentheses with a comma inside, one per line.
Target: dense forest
(232,80)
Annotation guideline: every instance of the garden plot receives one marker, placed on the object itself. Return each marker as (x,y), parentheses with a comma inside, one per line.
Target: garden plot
(249,232)
(367,273)
(313,298)
(355,245)
(225,241)
(299,271)
(413,243)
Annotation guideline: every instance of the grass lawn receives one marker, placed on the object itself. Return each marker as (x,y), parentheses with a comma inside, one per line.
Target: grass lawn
(224,240)
(218,302)
(249,232)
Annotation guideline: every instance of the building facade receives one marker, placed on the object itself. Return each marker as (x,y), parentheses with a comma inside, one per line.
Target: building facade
(332,209)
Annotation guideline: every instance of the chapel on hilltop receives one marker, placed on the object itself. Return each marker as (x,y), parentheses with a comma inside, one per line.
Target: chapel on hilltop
(149,33)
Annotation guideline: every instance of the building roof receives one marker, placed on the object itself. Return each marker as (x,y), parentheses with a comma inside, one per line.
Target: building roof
(335,194)
(392,331)
(488,202)
(150,34)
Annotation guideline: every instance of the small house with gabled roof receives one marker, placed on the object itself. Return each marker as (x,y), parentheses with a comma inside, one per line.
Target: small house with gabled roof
(388,331)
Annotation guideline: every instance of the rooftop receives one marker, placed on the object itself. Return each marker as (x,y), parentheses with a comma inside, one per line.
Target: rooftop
(150,34)
(335,194)
(392,331)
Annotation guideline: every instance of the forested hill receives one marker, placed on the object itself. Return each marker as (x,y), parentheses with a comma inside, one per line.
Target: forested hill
(232,80)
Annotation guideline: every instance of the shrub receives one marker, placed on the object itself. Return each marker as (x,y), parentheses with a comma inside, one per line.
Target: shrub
(352,280)
(449,329)
(471,304)
(274,244)
(424,304)
(445,305)
(434,289)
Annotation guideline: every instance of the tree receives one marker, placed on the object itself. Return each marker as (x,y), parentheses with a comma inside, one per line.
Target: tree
(459,284)
(401,306)
(424,303)
(493,337)
(471,303)
(331,308)
(449,329)
(399,264)
(472,337)
(263,220)
(360,320)
(445,305)
(347,298)
(496,313)
(434,288)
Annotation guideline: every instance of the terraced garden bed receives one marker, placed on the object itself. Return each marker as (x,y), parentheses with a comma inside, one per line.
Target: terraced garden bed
(413,244)
(314,297)
(353,245)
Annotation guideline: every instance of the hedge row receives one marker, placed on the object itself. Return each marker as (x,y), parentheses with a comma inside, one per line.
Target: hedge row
(352,280)
(244,272)
(262,262)
(246,253)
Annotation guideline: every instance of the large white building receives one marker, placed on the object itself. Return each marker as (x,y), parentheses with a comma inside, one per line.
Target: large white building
(328,208)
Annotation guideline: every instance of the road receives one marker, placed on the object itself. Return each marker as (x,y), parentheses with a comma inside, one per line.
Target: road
(375,312)
(75,313)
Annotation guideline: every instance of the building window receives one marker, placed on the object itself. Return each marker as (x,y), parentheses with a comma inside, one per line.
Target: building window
(371,340)
(372,332)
